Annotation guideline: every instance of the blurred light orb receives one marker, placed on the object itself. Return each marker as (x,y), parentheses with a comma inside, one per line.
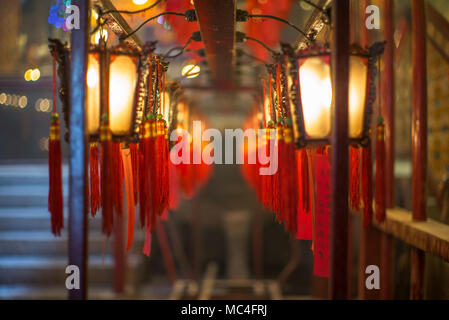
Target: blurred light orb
(45,105)
(35,74)
(23,101)
(15,100)
(2,98)
(191,71)
(27,75)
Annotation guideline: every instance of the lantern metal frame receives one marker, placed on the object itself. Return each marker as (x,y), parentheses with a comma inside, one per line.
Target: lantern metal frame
(63,56)
(372,54)
(173,88)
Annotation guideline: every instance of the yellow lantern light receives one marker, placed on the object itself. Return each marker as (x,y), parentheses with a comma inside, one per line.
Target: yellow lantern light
(310,90)
(123,71)
(267,103)
(166,106)
(316,96)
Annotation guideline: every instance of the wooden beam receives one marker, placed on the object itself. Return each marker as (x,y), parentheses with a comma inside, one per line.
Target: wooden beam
(78,152)
(339,149)
(438,20)
(216,19)
(430,236)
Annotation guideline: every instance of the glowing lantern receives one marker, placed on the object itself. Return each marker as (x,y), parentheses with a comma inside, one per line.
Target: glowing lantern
(121,78)
(310,90)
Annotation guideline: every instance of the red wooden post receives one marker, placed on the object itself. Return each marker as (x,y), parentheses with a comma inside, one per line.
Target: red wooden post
(388,95)
(370,238)
(78,152)
(340,163)
(419,138)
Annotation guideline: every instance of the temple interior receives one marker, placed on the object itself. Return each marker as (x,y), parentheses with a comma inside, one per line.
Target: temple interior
(220,230)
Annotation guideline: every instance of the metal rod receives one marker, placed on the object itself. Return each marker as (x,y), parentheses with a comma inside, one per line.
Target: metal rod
(419,139)
(340,163)
(78,154)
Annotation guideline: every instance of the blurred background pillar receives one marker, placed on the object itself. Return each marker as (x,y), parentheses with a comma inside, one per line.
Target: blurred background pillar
(9,35)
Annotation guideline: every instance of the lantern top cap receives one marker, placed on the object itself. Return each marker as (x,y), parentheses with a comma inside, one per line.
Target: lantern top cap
(376,49)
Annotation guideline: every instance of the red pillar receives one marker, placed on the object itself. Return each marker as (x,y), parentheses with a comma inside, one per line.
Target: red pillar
(370,238)
(419,139)
(388,106)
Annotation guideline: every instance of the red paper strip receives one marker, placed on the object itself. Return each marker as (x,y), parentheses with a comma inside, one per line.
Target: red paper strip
(304,217)
(322,216)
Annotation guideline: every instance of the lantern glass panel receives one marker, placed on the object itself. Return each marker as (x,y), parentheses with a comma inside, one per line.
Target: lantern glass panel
(358,74)
(122,87)
(93,95)
(166,106)
(316,96)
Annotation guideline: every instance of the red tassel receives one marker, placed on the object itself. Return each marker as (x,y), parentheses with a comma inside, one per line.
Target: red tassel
(117,168)
(55,195)
(354,181)
(380,171)
(107,178)
(135,168)
(94,179)
(161,170)
(147,243)
(277,178)
(267,185)
(165,171)
(305,186)
(129,187)
(290,191)
(152,168)
(367,186)
(144,177)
